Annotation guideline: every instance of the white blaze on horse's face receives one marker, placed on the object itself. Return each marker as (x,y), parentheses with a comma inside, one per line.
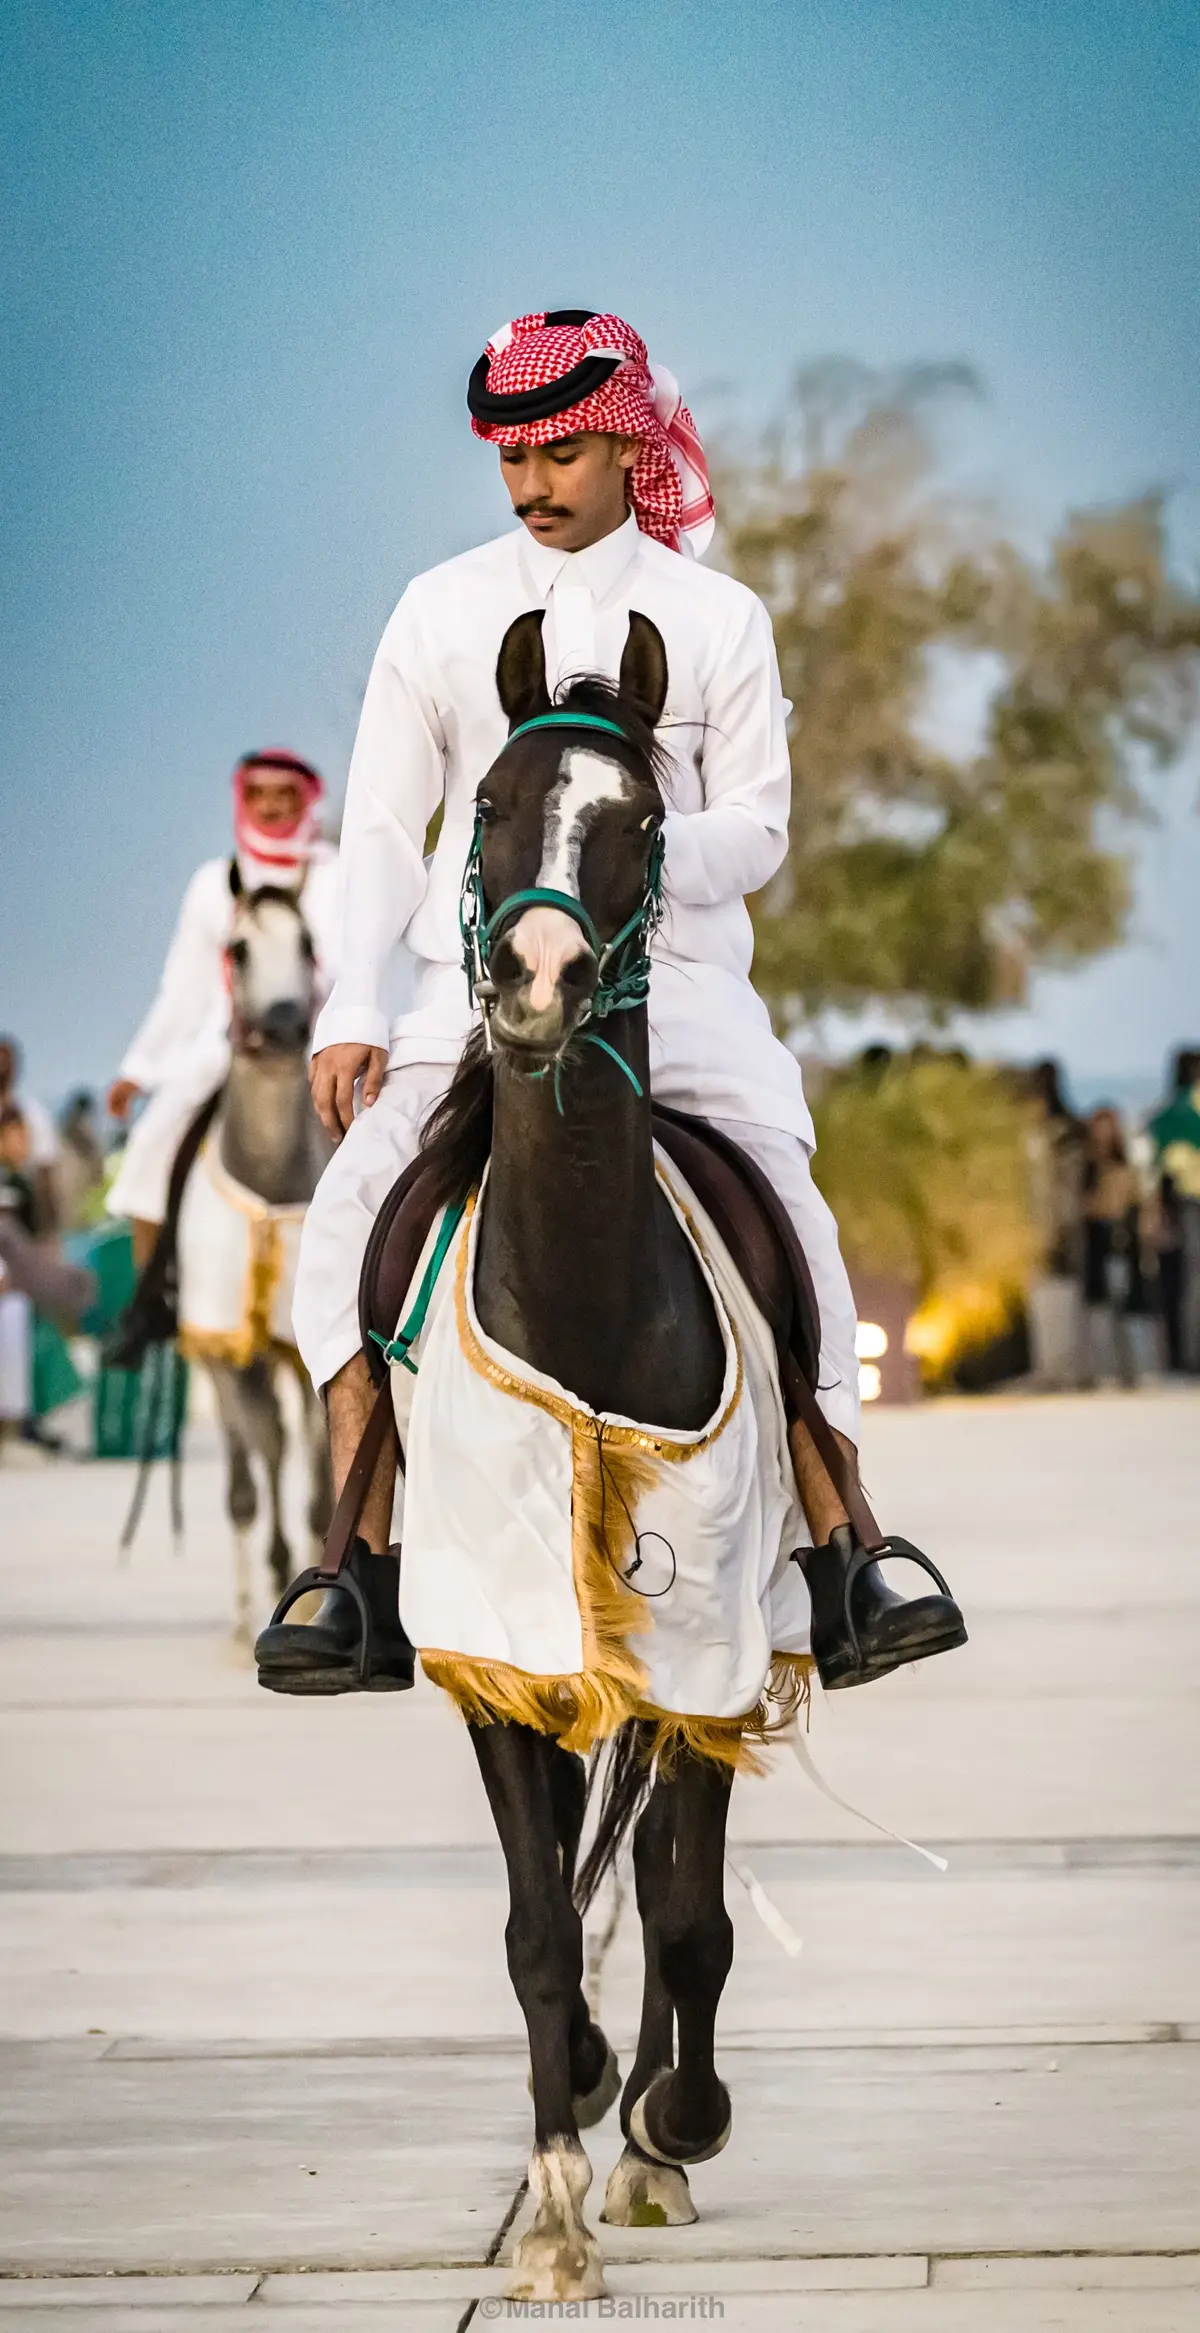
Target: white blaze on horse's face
(271,975)
(547,939)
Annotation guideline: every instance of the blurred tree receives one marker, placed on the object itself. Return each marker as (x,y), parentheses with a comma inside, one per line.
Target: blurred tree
(924,1158)
(935,881)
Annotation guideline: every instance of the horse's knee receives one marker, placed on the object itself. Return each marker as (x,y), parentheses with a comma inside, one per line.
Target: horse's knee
(544,1943)
(695,1953)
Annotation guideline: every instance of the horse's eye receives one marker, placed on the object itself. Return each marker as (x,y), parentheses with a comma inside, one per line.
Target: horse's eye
(654,820)
(239,954)
(307,949)
(487,812)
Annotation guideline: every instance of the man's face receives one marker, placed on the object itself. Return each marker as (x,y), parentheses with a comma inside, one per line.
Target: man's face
(272,799)
(571,493)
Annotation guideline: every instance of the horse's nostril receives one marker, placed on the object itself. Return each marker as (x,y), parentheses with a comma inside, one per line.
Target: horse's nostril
(285,1023)
(579,975)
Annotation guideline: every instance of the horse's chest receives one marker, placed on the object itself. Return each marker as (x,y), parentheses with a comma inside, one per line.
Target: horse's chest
(636,1343)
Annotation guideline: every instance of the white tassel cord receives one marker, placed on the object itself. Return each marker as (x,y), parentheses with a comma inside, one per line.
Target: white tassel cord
(770,1915)
(804,1758)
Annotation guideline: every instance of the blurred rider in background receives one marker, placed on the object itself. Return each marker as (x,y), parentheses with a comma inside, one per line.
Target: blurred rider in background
(180,1054)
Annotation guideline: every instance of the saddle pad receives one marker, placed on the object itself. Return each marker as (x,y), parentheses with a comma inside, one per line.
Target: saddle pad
(640,1571)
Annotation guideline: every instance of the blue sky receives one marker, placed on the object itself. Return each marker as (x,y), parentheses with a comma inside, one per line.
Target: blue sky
(251,248)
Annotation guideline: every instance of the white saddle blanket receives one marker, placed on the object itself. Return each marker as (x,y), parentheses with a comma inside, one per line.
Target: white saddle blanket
(237,1267)
(517,1550)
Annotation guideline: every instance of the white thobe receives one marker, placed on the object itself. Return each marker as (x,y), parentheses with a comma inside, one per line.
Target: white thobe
(181,1051)
(432,725)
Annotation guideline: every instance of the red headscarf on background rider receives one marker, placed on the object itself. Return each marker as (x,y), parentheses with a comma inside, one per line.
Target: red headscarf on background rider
(562,371)
(279,854)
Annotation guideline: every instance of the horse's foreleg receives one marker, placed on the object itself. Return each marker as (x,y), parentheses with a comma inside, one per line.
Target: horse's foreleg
(684,2116)
(241,1497)
(272,1445)
(595,2074)
(557,2258)
(643,2193)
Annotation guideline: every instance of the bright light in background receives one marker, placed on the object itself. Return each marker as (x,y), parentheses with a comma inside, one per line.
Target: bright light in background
(870,1383)
(870,1342)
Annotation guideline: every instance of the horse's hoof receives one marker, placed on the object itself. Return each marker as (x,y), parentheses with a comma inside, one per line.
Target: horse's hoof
(646,2194)
(592,2107)
(650,2127)
(558,2258)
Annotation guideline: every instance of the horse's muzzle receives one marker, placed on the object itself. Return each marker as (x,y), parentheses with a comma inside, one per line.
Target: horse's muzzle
(283,1028)
(545,975)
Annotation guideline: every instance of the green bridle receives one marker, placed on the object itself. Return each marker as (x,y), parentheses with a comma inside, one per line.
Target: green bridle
(623,980)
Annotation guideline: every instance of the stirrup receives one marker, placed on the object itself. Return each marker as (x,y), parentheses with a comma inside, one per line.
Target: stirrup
(375,1671)
(840,1654)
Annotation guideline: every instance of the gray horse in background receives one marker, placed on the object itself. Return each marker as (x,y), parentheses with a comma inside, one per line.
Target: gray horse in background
(265,1145)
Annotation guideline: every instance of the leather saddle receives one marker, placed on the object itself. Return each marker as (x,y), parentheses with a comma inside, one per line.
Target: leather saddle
(758,1233)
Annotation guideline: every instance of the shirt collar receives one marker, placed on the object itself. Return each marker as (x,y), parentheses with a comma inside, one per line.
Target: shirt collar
(601,566)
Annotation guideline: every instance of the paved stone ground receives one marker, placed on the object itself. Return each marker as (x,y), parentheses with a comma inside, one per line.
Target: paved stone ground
(970,2105)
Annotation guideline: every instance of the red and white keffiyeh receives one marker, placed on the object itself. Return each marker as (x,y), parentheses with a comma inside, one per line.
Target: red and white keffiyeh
(272,855)
(602,369)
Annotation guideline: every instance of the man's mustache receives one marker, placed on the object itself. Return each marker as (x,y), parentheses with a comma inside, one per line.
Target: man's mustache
(543,510)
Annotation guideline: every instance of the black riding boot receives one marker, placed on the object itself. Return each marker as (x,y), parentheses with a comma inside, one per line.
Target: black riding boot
(355,1641)
(860,1627)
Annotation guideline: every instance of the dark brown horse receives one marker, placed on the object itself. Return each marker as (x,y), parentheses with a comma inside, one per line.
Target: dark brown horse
(583,1272)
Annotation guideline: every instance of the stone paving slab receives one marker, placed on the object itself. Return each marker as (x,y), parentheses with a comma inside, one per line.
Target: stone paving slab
(143,2292)
(245,2165)
(196,2165)
(928,2311)
(265,1772)
(1055,1949)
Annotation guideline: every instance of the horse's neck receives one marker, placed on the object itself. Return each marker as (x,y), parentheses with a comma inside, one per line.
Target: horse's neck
(270,1138)
(582,1270)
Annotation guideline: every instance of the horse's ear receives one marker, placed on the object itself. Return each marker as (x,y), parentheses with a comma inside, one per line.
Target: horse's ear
(643,674)
(521,669)
(235,880)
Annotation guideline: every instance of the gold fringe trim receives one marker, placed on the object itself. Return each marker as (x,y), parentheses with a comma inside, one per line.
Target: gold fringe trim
(581,1711)
(738,1742)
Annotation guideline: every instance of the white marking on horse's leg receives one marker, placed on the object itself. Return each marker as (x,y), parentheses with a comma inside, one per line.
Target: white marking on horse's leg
(641,2194)
(558,2258)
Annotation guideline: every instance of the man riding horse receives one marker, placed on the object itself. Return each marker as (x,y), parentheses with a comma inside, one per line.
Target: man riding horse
(607,476)
(180,1054)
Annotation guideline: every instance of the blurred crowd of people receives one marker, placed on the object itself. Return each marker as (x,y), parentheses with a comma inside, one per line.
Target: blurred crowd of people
(1117,1210)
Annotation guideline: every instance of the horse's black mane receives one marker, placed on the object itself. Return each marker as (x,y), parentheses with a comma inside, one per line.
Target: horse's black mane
(457,1136)
(456,1139)
(590,692)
